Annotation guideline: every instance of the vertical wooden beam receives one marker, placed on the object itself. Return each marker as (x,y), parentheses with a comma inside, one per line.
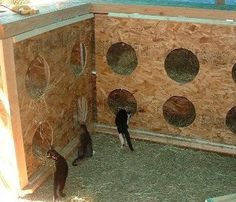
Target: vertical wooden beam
(220,2)
(7,64)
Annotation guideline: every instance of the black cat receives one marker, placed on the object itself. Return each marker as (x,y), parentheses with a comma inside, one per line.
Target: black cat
(85,146)
(60,174)
(122,120)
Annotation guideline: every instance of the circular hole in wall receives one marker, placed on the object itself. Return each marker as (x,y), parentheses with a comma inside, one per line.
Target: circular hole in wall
(234,73)
(122,58)
(181,65)
(179,111)
(42,139)
(78,58)
(122,99)
(37,77)
(231,119)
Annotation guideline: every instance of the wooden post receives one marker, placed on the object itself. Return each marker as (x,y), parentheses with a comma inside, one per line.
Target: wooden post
(10,90)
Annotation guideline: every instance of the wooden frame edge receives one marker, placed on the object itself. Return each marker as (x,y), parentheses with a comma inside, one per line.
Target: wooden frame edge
(172,140)
(164,11)
(10,90)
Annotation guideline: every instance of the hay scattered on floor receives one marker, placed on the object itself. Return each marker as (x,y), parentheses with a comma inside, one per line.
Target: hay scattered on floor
(151,173)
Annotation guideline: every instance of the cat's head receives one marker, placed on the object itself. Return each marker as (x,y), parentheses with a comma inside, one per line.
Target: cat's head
(83,128)
(52,153)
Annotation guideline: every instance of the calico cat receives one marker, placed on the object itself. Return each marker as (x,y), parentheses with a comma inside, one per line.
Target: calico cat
(122,121)
(85,146)
(60,174)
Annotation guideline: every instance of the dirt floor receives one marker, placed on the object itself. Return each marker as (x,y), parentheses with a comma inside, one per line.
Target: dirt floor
(151,173)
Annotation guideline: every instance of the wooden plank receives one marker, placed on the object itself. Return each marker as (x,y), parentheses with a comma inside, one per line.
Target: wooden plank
(174,19)
(172,140)
(10,90)
(226,198)
(40,20)
(50,27)
(164,11)
(29,23)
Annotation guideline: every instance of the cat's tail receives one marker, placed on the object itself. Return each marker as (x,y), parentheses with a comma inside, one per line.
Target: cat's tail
(127,136)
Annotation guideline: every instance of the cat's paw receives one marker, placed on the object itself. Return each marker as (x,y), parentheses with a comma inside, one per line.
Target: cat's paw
(54,198)
(62,194)
(75,163)
(122,146)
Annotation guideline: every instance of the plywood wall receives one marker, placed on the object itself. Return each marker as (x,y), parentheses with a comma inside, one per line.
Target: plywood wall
(212,91)
(57,105)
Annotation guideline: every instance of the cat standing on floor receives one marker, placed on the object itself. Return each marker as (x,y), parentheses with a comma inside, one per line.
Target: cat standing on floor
(85,146)
(60,174)
(122,121)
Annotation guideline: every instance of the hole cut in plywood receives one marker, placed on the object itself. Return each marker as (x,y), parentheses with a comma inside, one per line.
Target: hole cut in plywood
(80,111)
(231,119)
(78,58)
(179,111)
(122,99)
(43,138)
(181,65)
(122,58)
(234,72)
(37,77)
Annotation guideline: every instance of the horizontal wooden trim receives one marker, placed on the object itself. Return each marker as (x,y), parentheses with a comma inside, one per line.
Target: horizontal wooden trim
(8,76)
(175,19)
(50,27)
(42,19)
(226,198)
(164,11)
(24,24)
(172,140)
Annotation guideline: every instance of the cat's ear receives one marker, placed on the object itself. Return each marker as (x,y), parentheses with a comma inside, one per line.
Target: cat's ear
(129,113)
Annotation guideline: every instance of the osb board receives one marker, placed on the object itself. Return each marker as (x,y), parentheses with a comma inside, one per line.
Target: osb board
(212,92)
(57,105)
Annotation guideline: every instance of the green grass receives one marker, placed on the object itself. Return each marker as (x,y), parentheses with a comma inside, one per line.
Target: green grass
(153,172)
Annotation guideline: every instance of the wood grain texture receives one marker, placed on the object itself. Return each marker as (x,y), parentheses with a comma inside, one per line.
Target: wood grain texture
(212,91)
(163,11)
(13,119)
(36,21)
(19,25)
(57,105)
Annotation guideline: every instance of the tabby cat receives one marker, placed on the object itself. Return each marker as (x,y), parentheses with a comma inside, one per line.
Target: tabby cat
(85,146)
